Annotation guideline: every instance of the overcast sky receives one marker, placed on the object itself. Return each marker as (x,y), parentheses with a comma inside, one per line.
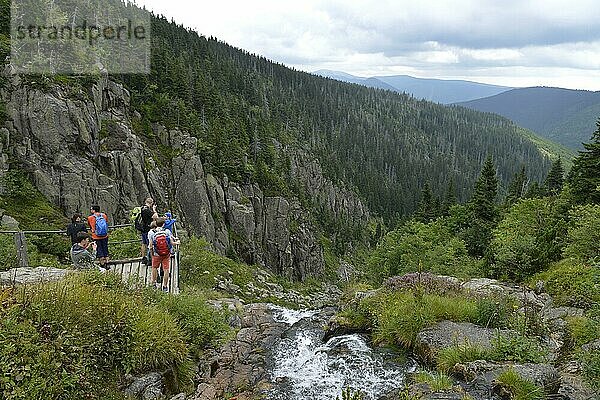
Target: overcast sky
(506,42)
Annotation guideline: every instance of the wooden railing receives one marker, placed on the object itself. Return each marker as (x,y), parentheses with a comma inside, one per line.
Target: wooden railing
(130,269)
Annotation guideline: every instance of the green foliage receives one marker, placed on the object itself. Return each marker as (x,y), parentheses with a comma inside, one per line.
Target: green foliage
(349,394)
(124,250)
(17,187)
(518,387)
(437,381)
(555,179)
(516,188)
(571,283)
(32,210)
(494,311)
(523,242)
(199,266)
(397,317)
(419,247)
(203,325)
(428,209)
(583,330)
(584,177)
(590,363)
(245,111)
(448,357)
(583,238)
(8,253)
(517,348)
(482,212)
(72,339)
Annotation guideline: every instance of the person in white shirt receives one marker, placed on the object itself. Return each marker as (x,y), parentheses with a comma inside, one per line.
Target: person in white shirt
(161,242)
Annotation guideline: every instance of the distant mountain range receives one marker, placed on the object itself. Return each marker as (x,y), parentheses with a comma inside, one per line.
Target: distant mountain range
(565,116)
(436,90)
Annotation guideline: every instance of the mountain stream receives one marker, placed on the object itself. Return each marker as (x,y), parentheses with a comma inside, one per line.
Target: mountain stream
(304,367)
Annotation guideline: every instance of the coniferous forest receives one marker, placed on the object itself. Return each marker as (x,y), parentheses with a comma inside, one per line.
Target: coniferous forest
(246,109)
(478,225)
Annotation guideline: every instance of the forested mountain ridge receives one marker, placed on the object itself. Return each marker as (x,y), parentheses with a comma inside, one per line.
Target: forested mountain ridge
(385,145)
(444,91)
(258,158)
(565,116)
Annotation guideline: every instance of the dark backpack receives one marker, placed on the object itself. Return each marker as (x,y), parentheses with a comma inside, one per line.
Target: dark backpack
(162,243)
(135,217)
(101,225)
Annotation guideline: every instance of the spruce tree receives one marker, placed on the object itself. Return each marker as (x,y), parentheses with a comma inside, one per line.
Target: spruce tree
(483,212)
(486,190)
(584,178)
(449,199)
(427,210)
(517,187)
(554,180)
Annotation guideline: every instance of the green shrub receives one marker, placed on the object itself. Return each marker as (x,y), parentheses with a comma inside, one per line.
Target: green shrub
(397,317)
(8,253)
(583,330)
(203,325)
(349,394)
(518,387)
(583,238)
(27,205)
(494,311)
(437,381)
(517,348)
(447,358)
(572,283)
(73,339)
(522,244)
(199,266)
(590,363)
(124,250)
(419,247)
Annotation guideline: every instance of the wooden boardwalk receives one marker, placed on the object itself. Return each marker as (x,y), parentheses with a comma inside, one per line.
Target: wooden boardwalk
(133,271)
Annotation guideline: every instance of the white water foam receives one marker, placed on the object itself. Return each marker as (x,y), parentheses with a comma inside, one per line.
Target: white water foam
(305,368)
(290,317)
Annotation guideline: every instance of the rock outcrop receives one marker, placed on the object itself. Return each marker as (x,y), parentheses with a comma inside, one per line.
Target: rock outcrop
(27,276)
(80,148)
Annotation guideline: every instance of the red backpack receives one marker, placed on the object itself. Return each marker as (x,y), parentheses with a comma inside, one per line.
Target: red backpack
(162,243)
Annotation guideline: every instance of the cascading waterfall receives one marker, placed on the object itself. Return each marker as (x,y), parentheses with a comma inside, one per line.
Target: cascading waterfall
(306,368)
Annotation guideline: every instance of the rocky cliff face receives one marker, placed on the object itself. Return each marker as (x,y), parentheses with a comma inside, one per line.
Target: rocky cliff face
(80,148)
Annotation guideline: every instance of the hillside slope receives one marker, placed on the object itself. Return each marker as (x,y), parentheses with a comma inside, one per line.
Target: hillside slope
(260,159)
(245,109)
(563,115)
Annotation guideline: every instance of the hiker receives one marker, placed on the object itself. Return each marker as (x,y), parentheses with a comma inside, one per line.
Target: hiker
(75,227)
(147,215)
(83,251)
(161,272)
(170,222)
(98,223)
(161,242)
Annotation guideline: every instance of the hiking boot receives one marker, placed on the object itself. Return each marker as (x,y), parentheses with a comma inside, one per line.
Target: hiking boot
(144,261)
(165,289)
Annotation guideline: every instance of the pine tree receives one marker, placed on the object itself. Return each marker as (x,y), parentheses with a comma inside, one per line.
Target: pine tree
(584,178)
(554,180)
(517,187)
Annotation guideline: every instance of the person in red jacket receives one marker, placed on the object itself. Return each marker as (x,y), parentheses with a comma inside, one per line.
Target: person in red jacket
(98,223)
